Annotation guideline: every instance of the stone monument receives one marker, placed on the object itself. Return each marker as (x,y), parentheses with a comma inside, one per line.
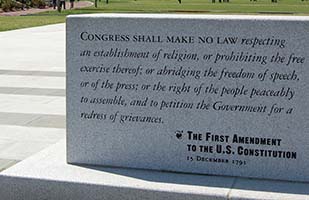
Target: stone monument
(189,93)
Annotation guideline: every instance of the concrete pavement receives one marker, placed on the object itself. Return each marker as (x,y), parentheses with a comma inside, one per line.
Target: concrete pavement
(32,91)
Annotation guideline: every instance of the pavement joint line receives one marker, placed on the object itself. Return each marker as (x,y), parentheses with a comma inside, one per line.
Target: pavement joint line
(34,123)
(7,163)
(54,120)
(32,73)
(32,91)
(231,189)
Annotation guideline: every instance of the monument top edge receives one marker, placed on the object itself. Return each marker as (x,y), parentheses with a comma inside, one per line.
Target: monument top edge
(192,16)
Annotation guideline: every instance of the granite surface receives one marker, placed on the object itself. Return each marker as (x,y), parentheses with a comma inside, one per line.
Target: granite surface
(46,175)
(223,95)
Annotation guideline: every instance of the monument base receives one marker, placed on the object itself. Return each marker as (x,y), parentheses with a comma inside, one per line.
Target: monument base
(46,175)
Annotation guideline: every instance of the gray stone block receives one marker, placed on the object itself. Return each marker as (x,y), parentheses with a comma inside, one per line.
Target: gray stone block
(222,95)
(46,175)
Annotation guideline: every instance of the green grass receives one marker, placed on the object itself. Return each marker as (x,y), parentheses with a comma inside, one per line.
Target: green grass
(286,7)
(297,7)
(17,22)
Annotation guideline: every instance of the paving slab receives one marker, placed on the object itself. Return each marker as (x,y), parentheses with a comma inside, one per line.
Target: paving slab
(47,175)
(246,189)
(32,90)
(35,49)
(27,134)
(32,81)
(31,104)
(20,142)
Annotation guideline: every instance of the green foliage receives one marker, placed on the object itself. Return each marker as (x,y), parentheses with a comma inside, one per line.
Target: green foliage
(7,5)
(17,5)
(38,3)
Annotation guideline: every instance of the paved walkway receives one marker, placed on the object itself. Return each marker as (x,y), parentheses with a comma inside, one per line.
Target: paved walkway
(32,91)
(77,4)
